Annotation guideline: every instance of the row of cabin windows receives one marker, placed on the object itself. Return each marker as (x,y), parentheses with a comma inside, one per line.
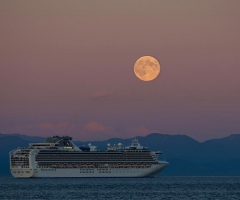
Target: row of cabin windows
(93,157)
(146,160)
(89,154)
(86,170)
(104,156)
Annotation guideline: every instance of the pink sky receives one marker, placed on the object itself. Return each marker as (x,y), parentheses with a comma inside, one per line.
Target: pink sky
(67,68)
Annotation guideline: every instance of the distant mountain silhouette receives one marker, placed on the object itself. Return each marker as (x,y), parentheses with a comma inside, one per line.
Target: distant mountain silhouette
(185,155)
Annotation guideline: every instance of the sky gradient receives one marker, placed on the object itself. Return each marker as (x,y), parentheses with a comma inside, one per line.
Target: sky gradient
(67,68)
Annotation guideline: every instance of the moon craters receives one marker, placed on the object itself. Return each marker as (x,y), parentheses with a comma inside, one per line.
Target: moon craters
(147,68)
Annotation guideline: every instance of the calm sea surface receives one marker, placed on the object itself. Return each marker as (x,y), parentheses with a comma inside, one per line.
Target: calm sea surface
(121,188)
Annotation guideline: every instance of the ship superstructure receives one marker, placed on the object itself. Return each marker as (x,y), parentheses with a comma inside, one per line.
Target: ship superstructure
(60,157)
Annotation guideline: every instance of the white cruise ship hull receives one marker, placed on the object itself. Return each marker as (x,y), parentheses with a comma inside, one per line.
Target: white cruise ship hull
(89,172)
(59,157)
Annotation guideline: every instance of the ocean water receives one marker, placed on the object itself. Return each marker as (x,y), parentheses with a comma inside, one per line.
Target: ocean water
(121,188)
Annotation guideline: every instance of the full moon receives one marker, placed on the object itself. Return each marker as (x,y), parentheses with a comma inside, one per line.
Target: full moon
(147,68)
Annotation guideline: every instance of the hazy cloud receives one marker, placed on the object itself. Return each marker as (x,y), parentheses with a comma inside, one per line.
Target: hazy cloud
(139,131)
(62,125)
(95,126)
(47,125)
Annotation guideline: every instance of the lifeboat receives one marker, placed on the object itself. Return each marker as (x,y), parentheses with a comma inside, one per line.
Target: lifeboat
(91,165)
(120,165)
(76,165)
(69,165)
(82,165)
(128,165)
(61,165)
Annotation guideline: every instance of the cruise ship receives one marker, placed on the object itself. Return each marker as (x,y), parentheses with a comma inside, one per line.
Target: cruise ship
(60,157)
